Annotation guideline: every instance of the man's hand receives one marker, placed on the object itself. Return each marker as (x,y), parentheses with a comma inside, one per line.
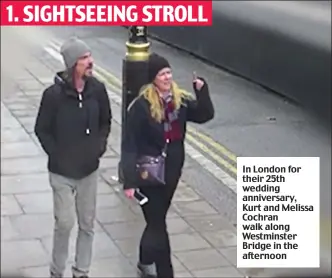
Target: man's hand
(130,193)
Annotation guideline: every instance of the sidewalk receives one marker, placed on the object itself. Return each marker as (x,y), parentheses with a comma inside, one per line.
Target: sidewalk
(203,243)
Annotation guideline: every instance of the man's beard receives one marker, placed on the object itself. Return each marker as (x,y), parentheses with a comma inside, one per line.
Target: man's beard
(89,68)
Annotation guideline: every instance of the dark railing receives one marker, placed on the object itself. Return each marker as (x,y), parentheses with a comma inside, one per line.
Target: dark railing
(284,48)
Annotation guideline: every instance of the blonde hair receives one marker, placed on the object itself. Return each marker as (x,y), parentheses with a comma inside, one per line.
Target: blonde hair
(150,93)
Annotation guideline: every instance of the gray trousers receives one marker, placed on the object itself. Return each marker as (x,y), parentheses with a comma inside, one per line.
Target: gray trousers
(70,197)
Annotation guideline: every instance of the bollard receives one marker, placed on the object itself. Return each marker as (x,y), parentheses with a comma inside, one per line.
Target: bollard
(134,73)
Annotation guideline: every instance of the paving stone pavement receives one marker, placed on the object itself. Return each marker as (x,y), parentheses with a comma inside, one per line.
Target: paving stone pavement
(203,242)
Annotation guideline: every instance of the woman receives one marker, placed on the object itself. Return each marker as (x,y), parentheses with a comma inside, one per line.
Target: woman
(160,112)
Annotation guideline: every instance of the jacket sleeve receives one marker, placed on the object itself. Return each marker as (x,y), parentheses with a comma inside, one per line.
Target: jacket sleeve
(201,110)
(129,144)
(105,120)
(45,121)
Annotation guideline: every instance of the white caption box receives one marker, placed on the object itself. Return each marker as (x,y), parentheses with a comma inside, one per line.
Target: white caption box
(278,212)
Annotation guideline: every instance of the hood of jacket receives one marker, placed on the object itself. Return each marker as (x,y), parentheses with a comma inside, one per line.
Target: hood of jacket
(65,80)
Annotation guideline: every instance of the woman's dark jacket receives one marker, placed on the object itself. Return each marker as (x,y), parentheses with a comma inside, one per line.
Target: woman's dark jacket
(145,136)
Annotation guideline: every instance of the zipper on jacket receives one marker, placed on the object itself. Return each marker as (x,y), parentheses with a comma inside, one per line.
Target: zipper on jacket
(80,105)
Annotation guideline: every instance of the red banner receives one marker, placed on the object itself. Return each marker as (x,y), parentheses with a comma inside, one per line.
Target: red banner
(124,13)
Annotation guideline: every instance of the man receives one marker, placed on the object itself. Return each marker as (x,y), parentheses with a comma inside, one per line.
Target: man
(73,124)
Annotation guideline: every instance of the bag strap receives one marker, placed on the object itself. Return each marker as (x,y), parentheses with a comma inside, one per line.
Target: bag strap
(164,151)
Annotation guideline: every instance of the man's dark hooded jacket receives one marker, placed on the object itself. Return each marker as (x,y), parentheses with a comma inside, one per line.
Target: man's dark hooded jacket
(73,127)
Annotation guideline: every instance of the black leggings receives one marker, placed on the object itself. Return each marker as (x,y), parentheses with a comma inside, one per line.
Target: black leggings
(155,244)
